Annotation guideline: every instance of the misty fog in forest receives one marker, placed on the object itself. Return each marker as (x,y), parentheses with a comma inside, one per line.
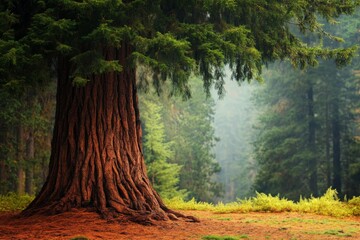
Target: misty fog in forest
(234,119)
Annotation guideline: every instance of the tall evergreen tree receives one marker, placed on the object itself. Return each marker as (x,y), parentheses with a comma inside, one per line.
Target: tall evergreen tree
(189,125)
(22,70)
(163,175)
(187,139)
(283,148)
(331,97)
(96,157)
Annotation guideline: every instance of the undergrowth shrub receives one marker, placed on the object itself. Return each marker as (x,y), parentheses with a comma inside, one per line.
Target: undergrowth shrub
(269,203)
(14,202)
(354,204)
(180,204)
(329,204)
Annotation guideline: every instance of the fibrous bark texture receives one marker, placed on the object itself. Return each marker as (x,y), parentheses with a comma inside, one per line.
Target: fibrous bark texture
(96,159)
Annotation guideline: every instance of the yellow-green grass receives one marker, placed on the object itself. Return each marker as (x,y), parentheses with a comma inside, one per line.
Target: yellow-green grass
(214,237)
(329,204)
(14,202)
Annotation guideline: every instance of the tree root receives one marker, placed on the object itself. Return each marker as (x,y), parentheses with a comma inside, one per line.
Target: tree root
(111,214)
(177,215)
(154,217)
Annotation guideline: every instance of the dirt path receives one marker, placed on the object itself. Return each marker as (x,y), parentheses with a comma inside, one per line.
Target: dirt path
(245,226)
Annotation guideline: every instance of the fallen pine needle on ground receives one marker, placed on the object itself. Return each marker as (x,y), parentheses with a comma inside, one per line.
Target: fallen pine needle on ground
(88,225)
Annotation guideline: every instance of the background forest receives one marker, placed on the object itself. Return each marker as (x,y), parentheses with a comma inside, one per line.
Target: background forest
(298,133)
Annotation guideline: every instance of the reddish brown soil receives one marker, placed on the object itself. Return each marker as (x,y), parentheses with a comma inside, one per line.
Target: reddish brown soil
(250,225)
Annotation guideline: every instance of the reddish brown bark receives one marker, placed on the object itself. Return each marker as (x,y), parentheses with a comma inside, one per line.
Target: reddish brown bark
(96,159)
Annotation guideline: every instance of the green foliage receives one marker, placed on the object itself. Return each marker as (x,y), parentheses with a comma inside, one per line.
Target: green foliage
(14,202)
(91,62)
(339,233)
(354,203)
(295,148)
(309,118)
(263,202)
(214,237)
(79,238)
(328,204)
(178,141)
(334,232)
(282,149)
(197,36)
(189,127)
(163,175)
(181,204)
(172,60)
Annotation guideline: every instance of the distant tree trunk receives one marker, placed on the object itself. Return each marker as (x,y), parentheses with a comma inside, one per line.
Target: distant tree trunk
(336,147)
(3,167)
(96,158)
(44,166)
(3,177)
(347,188)
(30,154)
(20,160)
(327,145)
(311,141)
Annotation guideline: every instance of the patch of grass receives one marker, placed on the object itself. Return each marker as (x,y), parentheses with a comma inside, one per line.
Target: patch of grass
(250,221)
(214,237)
(223,218)
(14,202)
(79,238)
(339,233)
(244,236)
(329,204)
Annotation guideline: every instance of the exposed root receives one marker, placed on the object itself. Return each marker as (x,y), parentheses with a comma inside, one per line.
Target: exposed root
(180,215)
(118,214)
(45,210)
(145,217)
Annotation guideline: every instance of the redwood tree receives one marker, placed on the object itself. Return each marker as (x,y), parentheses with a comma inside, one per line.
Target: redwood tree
(94,47)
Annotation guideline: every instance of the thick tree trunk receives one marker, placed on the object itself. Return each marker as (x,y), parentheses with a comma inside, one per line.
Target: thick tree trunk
(96,159)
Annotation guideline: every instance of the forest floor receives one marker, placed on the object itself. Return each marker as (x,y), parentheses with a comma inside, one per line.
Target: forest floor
(89,225)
